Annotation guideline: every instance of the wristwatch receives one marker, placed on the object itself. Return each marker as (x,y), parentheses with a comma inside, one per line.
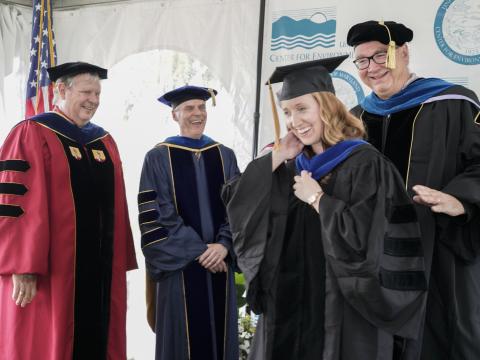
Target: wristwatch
(312,199)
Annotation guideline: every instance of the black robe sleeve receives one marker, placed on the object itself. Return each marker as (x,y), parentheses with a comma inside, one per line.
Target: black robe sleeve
(372,242)
(257,206)
(462,233)
(370,235)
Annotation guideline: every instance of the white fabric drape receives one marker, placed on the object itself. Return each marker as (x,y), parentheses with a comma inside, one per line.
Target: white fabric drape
(14,37)
(222,34)
(15,29)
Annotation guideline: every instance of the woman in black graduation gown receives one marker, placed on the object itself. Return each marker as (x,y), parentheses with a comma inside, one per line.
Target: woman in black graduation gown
(326,235)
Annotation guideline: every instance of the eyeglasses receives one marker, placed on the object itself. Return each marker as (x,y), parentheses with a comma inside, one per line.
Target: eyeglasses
(378,58)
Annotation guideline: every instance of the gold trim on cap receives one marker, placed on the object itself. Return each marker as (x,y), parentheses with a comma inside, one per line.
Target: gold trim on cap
(212,94)
(391,60)
(276,122)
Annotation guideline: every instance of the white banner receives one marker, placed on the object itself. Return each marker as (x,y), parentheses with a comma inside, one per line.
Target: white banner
(446,41)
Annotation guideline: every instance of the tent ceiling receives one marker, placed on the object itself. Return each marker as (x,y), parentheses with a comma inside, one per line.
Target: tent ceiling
(60,4)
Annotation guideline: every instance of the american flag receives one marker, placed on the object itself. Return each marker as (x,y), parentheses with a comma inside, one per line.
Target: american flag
(42,56)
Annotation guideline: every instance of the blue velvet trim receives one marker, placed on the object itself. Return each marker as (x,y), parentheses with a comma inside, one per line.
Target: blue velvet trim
(58,123)
(321,164)
(189,142)
(413,95)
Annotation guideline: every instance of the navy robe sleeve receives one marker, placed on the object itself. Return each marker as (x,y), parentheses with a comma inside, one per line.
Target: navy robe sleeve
(224,235)
(167,243)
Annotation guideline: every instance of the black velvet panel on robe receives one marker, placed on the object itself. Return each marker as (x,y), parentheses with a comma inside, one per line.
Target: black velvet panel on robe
(392,135)
(196,278)
(92,181)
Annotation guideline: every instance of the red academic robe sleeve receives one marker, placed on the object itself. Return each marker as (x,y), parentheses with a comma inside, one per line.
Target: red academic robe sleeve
(24,212)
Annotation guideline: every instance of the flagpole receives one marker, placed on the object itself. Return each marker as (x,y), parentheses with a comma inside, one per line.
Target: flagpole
(39,94)
(256,114)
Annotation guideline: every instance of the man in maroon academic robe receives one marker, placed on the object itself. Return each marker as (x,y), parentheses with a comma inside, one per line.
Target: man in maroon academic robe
(65,238)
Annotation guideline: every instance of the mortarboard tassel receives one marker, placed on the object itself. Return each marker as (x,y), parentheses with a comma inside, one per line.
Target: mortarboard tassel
(212,94)
(391,60)
(276,122)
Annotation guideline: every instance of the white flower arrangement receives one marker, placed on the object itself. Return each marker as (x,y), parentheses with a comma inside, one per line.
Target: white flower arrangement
(247,322)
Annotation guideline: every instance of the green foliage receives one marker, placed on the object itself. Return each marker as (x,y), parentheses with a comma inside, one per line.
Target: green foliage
(240,288)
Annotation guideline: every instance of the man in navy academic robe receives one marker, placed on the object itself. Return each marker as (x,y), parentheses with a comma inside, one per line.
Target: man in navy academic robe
(186,237)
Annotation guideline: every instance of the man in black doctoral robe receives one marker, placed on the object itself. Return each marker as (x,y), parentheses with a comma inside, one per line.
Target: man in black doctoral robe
(430,129)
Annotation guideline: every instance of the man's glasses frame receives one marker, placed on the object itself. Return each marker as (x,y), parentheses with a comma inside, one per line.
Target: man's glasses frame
(364,62)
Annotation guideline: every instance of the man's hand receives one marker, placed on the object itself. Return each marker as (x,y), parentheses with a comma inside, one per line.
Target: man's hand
(24,288)
(222,267)
(439,202)
(213,256)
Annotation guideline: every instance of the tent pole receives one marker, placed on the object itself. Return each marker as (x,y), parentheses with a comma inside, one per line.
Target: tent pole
(256,114)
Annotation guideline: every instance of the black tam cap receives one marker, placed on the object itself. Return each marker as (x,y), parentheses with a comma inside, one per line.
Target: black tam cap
(75,68)
(188,92)
(306,77)
(379,31)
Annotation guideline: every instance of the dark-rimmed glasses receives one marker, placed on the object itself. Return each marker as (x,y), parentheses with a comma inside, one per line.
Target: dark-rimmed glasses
(364,62)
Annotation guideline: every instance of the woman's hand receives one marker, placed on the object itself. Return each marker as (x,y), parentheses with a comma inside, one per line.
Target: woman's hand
(288,149)
(307,189)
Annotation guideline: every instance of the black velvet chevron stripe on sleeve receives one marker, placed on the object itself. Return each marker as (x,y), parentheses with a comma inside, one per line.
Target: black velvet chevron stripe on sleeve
(10,210)
(146,196)
(147,216)
(403,247)
(14,165)
(12,189)
(403,235)
(153,236)
(403,280)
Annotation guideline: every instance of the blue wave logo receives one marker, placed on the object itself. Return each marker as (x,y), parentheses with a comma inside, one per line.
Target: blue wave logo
(288,33)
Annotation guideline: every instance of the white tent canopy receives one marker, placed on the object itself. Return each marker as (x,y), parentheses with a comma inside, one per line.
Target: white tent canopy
(222,35)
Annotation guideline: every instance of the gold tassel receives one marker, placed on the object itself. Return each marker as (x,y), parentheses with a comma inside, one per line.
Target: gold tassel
(276,122)
(391,60)
(212,94)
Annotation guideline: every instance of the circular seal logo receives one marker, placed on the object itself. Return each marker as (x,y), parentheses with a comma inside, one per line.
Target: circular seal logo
(347,88)
(457,31)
